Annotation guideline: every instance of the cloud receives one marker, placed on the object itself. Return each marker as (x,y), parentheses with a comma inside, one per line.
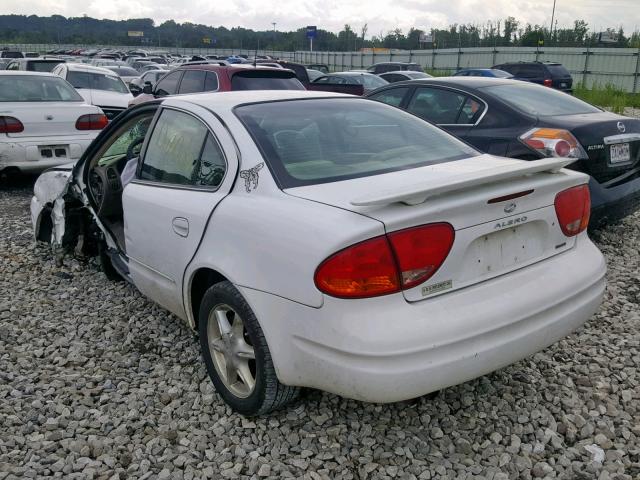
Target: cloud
(380,15)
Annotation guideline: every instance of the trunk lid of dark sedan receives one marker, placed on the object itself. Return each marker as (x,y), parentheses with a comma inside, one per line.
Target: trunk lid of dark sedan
(612,143)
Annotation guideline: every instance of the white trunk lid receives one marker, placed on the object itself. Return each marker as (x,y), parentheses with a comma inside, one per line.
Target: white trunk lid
(491,239)
(48,119)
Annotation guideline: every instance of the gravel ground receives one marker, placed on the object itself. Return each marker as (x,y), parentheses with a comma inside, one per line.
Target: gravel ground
(98,382)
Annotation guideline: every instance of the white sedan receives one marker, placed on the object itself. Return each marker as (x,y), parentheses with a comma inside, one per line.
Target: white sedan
(98,86)
(328,241)
(43,122)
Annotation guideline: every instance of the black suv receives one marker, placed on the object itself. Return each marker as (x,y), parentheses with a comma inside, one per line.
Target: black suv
(384,67)
(549,74)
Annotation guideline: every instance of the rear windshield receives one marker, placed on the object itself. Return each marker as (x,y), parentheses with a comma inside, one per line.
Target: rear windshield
(6,54)
(558,71)
(312,141)
(368,81)
(414,67)
(42,66)
(265,80)
(500,73)
(18,88)
(97,81)
(539,101)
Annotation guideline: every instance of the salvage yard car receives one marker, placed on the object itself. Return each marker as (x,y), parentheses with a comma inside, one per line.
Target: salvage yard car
(527,121)
(98,86)
(218,77)
(43,122)
(328,241)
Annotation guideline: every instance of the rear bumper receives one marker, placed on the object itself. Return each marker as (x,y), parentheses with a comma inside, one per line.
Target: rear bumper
(386,349)
(612,204)
(25,153)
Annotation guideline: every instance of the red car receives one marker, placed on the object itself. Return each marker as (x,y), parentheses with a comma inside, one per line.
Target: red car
(219,78)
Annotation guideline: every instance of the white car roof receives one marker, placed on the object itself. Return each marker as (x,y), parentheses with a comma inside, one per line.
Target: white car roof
(23,73)
(229,100)
(82,67)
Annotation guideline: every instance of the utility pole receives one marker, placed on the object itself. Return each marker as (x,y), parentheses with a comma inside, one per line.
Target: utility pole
(553,14)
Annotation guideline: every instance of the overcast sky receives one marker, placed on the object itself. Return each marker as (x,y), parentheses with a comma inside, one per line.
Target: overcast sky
(381,15)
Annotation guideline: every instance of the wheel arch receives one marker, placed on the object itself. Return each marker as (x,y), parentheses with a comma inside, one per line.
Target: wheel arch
(201,280)
(44,224)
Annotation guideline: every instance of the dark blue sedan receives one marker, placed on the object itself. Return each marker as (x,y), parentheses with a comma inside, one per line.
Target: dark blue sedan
(482,72)
(524,120)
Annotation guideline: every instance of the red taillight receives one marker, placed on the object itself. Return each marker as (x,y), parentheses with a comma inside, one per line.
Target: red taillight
(420,251)
(93,121)
(573,208)
(366,269)
(548,82)
(386,264)
(10,125)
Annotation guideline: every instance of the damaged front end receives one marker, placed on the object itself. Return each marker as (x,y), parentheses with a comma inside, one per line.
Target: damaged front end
(60,216)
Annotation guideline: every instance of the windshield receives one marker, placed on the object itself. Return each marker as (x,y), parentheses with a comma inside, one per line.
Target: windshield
(306,142)
(539,101)
(36,89)
(265,80)
(500,73)
(97,81)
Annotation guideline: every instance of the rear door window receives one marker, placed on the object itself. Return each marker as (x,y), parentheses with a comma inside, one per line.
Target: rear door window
(192,81)
(391,96)
(530,71)
(168,85)
(437,105)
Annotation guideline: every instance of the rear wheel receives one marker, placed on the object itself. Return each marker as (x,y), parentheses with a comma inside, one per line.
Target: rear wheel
(236,354)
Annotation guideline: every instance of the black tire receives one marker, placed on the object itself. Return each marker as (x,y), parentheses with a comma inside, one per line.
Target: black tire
(105,263)
(268,394)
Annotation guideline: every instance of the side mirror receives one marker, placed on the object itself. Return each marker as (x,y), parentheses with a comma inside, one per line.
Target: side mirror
(148,88)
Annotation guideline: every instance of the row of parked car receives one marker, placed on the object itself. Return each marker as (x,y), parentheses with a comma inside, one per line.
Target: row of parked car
(462,204)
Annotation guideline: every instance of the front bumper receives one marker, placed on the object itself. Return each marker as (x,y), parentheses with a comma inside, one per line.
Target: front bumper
(612,204)
(25,154)
(385,349)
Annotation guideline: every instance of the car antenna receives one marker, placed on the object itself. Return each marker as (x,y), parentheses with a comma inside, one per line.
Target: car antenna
(255,59)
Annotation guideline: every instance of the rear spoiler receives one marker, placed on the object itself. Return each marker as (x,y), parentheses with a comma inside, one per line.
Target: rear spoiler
(417,193)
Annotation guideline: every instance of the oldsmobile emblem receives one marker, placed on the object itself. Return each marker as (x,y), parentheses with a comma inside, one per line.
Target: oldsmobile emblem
(48,117)
(510,208)
(621,127)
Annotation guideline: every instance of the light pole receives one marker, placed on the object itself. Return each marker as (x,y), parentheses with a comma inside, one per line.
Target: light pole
(553,14)
(274,35)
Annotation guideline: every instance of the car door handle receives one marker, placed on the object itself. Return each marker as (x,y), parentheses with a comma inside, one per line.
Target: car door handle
(181,226)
